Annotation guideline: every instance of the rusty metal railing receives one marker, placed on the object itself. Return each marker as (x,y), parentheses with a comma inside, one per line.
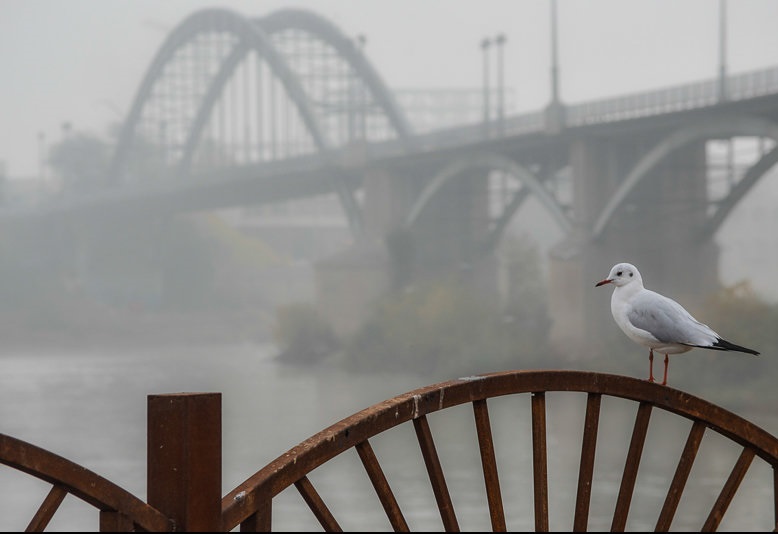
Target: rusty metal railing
(184,457)
(118,509)
(250,505)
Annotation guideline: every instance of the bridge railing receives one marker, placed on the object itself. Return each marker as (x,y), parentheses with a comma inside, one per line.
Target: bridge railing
(672,99)
(753,84)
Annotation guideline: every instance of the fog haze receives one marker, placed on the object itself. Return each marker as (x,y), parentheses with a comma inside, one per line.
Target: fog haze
(82,60)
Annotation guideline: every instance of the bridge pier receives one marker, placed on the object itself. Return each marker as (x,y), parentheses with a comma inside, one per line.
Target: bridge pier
(658,233)
(443,242)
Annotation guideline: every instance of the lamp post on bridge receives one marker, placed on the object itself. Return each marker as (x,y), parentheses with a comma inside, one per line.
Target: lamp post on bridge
(722,50)
(499,41)
(555,111)
(360,41)
(485,44)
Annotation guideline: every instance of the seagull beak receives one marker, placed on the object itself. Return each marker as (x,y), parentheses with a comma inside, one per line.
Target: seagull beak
(603,282)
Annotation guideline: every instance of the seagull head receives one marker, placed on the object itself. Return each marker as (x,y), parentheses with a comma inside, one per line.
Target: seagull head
(621,274)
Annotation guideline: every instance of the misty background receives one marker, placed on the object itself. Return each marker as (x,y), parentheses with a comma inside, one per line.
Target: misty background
(73,68)
(246,274)
(229,299)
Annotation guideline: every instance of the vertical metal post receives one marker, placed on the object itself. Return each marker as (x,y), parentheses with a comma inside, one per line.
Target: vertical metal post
(487,112)
(184,470)
(722,50)
(500,42)
(361,96)
(554,58)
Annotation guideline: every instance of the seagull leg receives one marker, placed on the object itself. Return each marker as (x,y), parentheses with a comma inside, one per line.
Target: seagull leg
(650,365)
(667,362)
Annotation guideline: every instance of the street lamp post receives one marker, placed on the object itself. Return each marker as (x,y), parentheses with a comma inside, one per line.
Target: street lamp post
(554,58)
(722,50)
(360,41)
(555,111)
(485,43)
(499,41)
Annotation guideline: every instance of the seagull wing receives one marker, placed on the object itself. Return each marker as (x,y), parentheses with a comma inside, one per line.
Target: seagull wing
(668,321)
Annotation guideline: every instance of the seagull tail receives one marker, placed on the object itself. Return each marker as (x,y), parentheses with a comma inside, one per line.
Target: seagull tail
(723,344)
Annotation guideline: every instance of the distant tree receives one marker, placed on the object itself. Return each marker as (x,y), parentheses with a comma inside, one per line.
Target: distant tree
(81,161)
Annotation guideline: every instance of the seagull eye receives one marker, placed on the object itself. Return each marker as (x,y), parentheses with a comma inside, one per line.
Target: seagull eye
(619,273)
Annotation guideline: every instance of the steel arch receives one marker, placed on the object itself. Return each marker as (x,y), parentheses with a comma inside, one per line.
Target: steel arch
(320,27)
(316,25)
(252,36)
(724,126)
(493,161)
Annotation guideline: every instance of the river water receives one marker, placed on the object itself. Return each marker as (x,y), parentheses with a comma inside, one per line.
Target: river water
(90,407)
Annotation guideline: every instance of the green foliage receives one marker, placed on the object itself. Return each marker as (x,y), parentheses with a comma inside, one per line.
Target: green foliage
(526,302)
(303,335)
(732,379)
(236,245)
(399,244)
(446,327)
(739,315)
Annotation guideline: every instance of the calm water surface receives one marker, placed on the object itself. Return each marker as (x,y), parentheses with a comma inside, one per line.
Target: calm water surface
(90,407)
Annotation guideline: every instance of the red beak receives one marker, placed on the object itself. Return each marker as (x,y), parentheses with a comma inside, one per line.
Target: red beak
(603,282)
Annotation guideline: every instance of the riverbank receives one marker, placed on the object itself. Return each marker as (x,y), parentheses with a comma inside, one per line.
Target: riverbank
(91,327)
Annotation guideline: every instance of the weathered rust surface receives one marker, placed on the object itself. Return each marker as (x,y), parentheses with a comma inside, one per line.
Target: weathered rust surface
(381,486)
(489,464)
(184,459)
(184,472)
(80,482)
(245,500)
(586,469)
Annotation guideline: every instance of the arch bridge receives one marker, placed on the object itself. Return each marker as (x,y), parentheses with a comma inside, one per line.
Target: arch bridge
(237,110)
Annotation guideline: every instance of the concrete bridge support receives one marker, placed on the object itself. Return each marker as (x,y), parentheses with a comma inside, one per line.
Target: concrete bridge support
(655,229)
(388,255)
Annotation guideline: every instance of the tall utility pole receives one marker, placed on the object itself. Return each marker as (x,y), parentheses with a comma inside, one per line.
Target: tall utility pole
(555,111)
(485,43)
(499,41)
(360,41)
(554,58)
(722,50)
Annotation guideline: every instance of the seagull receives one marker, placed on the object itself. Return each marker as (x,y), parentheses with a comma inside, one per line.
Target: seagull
(656,321)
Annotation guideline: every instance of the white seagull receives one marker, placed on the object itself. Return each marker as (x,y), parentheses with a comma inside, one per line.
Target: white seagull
(657,322)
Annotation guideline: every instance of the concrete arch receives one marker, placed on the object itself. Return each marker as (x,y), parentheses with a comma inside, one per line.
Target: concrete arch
(724,126)
(751,177)
(493,162)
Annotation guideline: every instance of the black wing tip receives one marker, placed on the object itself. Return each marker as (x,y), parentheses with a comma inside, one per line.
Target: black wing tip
(723,344)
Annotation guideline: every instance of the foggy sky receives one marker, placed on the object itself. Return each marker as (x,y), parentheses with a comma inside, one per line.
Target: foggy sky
(82,60)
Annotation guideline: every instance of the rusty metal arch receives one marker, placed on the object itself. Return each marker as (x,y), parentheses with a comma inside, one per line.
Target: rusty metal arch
(66,477)
(723,126)
(493,161)
(322,28)
(250,504)
(251,37)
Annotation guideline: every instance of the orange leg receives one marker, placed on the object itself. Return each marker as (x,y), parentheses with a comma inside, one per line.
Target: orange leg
(667,362)
(650,365)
